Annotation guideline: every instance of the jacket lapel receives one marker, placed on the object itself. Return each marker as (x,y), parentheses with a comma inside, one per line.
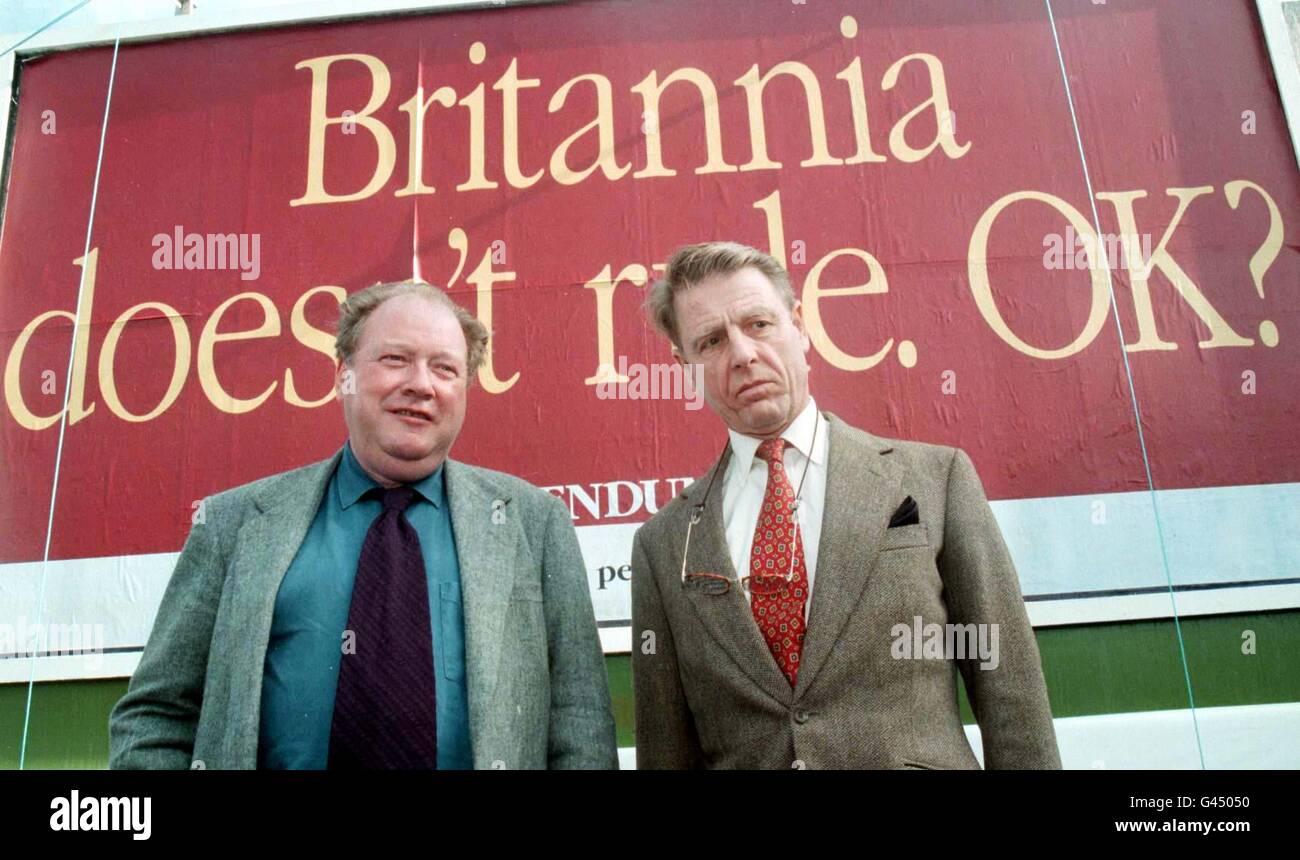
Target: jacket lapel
(485,551)
(727,617)
(266,545)
(861,480)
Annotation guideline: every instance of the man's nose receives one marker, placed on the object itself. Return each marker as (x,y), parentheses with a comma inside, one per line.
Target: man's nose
(420,381)
(743,352)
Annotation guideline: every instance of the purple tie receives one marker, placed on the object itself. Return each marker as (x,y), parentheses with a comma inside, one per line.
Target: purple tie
(385,709)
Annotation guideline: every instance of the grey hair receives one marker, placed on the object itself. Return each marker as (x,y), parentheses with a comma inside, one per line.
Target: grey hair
(692,264)
(358,306)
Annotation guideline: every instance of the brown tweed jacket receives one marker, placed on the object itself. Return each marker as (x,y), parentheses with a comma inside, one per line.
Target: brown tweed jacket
(709,694)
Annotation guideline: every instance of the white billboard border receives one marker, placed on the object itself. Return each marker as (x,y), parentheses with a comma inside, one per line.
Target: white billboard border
(1286,65)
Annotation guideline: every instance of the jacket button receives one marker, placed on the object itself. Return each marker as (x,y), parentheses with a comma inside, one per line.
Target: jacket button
(801,716)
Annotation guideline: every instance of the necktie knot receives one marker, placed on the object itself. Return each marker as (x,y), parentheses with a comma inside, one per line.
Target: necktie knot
(397,498)
(771,451)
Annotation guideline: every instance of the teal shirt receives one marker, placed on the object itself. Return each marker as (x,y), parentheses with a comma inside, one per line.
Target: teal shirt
(311,613)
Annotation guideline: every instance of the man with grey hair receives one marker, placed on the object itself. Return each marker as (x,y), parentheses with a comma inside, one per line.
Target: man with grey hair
(387,608)
(776,616)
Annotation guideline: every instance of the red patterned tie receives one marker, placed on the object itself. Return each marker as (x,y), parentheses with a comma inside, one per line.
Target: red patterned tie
(780,613)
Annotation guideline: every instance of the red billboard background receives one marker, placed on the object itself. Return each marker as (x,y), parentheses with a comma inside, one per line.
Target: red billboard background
(214,134)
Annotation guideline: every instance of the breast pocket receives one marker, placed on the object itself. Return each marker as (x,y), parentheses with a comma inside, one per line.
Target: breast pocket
(902,537)
(452,615)
(528,611)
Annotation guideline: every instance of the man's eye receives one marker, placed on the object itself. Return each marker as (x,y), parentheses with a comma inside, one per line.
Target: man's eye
(392,358)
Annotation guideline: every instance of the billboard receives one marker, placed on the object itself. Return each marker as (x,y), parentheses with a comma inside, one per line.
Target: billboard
(1061,237)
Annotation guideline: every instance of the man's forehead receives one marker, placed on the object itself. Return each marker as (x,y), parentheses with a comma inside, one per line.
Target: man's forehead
(436,346)
(715,299)
(419,324)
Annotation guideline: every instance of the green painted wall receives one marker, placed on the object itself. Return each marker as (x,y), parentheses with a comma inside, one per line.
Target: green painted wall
(1093,669)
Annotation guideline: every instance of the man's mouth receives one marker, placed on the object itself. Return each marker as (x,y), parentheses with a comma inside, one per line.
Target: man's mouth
(750,386)
(416,414)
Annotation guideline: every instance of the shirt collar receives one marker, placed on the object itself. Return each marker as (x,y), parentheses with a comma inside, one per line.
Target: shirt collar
(353,482)
(798,435)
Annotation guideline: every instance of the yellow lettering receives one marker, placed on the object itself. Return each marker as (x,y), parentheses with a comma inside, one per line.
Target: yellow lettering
(380,84)
(978,270)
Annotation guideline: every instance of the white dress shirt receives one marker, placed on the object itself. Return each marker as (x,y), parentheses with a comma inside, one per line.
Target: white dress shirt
(746,484)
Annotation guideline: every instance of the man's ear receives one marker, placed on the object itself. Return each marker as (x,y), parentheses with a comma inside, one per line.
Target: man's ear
(341,372)
(796,316)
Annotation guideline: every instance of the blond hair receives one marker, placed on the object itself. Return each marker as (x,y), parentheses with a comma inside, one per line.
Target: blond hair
(692,264)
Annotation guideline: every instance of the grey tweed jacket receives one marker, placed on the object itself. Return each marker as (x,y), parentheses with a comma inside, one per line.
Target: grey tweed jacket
(537,690)
(709,693)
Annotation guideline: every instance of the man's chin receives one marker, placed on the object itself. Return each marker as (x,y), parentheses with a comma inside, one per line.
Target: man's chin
(757,419)
(408,457)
